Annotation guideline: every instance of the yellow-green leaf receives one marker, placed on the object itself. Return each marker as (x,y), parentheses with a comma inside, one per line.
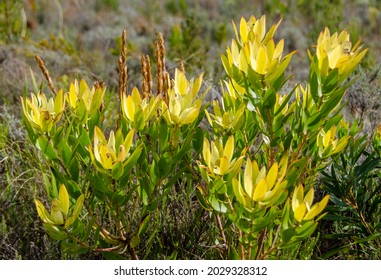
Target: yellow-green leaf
(73,96)
(189,115)
(240,194)
(272,176)
(262,60)
(46,121)
(181,82)
(248,182)
(107,157)
(224,166)
(63,200)
(260,27)
(83,87)
(317,208)
(327,139)
(196,86)
(78,206)
(206,152)
(59,102)
(56,213)
(260,190)
(299,212)
(229,148)
(130,108)
(243,30)
(42,213)
(297,197)
(309,198)
(128,141)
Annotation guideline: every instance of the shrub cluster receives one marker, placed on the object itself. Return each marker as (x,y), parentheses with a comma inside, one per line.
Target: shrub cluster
(254,168)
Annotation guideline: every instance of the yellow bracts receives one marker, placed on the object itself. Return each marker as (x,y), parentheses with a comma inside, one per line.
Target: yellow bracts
(302,205)
(59,213)
(182,107)
(107,153)
(42,113)
(336,51)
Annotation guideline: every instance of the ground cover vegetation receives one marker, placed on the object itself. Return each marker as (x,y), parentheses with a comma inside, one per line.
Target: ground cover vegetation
(256,139)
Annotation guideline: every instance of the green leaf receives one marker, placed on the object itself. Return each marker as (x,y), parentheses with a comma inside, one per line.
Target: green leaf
(286,215)
(269,99)
(72,248)
(285,101)
(117,170)
(314,121)
(44,145)
(163,135)
(219,186)
(144,190)
(175,177)
(55,232)
(287,234)
(331,103)
(154,174)
(165,165)
(331,80)
(78,228)
(84,138)
(315,88)
(139,119)
(58,136)
(306,230)
(132,159)
(198,139)
(101,183)
(65,152)
(201,198)
(120,198)
(135,240)
(233,254)
(74,169)
(342,248)
(143,225)
(185,148)
(76,211)
(332,121)
(217,205)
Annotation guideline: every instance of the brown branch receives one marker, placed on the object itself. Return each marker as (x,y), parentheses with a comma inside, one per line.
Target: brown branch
(261,238)
(221,229)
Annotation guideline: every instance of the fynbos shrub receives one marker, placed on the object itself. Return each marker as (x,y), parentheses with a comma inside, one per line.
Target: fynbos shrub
(254,169)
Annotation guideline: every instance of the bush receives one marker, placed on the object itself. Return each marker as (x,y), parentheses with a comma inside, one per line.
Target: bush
(253,170)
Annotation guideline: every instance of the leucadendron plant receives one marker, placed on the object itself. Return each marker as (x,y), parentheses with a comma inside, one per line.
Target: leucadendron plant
(268,148)
(253,169)
(112,179)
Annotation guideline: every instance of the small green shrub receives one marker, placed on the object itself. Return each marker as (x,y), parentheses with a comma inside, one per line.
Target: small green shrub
(353,181)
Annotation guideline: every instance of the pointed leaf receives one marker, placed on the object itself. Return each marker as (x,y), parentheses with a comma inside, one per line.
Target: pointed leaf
(260,190)
(229,148)
(272,176)
(63,200)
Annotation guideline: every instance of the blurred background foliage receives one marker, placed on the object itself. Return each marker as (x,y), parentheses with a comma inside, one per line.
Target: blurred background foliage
(81,39)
